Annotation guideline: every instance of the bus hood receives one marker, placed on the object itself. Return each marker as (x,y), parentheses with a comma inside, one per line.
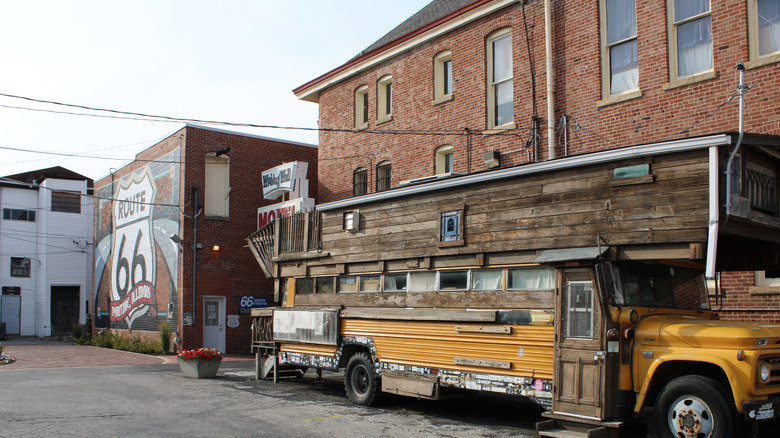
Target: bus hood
(690,331)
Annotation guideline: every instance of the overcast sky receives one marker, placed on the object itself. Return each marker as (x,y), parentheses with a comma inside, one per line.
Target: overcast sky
(226,60)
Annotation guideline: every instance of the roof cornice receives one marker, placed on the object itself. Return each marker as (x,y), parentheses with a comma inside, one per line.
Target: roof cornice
(310,91)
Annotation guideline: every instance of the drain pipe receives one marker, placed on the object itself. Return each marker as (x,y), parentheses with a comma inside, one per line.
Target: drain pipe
(550,79)
(712,235)
(741,89)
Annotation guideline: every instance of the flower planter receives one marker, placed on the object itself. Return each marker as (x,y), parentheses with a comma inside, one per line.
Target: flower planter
(200,368)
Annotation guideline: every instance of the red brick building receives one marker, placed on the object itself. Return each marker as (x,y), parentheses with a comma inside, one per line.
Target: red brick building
(170,232)
(464,86)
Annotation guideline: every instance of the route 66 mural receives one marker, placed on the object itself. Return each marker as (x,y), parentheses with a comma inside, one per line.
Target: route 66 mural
(133,263)
(137,263)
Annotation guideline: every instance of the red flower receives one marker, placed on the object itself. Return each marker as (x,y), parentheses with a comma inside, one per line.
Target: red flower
(204,353)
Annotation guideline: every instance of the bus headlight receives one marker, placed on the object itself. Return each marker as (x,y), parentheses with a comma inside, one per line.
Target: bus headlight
(763,372)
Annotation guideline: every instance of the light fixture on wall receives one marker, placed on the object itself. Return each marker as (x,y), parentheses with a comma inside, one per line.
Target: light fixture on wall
(215,247)
(176,239)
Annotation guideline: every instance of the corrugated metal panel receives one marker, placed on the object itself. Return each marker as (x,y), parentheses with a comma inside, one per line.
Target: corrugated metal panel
(528,348)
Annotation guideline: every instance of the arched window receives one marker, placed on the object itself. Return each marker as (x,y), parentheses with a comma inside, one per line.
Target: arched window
(383,181)
(384,98)
(442,76)
(359,181)
(445,161)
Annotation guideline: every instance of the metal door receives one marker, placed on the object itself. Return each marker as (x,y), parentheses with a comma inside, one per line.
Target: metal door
(580,357)
(11,313)
(214,323)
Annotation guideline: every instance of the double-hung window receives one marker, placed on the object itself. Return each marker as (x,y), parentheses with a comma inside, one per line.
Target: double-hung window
(500,89)
(361,107)
(620,53)
(690,42)
(442,77)
(444,159)
(764,19)
(385,98)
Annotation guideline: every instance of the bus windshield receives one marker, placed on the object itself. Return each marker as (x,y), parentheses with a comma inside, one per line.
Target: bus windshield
(643,284)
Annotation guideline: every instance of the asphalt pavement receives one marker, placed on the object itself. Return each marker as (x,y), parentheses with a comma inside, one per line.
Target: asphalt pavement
(57,388)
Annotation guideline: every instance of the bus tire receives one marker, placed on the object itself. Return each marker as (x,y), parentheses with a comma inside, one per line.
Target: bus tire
(693,406)
(360,379)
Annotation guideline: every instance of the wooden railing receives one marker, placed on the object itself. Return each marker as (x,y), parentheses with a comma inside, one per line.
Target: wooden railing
(298,233)
(761,188)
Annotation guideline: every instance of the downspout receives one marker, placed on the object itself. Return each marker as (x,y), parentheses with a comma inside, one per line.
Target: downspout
(550,79)
(712,236)
(195,200)
(741,89)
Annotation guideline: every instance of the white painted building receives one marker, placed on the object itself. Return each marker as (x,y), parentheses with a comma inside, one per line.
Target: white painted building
(46,251)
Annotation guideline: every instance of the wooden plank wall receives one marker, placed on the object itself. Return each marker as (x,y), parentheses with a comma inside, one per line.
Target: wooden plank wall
(561,209)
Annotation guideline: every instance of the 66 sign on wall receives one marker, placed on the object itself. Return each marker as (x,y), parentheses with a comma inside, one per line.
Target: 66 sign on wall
(133,254)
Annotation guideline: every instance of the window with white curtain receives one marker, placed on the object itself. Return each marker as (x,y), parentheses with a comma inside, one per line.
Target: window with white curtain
(501,91)
(530,278)
(690,37)
(764,20)
(620,50)
(487,279)
(422,281)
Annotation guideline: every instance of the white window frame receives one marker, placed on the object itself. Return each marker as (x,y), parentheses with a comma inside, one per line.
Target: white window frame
(675,79)
(441,157)
(606,61)
(493,85)
(756,58)
(361,107)
(384,99)
(441,76)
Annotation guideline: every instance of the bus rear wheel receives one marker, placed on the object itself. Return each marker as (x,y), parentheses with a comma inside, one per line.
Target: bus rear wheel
(360,380)
(693,406)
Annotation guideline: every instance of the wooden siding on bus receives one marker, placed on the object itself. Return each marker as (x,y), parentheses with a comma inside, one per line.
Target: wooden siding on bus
(528,350)
(557,209)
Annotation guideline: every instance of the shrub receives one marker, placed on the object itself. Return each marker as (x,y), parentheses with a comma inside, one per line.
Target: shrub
(81,334)
(165,336)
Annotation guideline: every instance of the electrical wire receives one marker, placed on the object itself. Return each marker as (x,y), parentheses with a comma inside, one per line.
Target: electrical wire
(159,118)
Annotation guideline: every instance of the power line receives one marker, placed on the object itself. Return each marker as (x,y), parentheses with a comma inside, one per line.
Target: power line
(158,118)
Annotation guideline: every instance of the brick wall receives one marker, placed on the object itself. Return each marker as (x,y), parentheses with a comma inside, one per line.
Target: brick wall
(655,116)
(742,301)
(231,272)
(661,113)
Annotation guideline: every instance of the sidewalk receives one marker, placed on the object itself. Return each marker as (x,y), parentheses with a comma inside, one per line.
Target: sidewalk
(34,353)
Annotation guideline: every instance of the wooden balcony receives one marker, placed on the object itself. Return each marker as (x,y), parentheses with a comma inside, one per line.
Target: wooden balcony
(298,236)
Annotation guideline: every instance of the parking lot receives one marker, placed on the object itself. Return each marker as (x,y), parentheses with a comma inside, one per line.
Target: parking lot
(70,390)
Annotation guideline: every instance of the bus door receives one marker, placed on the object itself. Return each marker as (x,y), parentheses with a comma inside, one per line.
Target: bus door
(580,357)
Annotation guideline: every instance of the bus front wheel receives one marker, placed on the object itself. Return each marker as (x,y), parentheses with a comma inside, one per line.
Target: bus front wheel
(360,379)
(693,406)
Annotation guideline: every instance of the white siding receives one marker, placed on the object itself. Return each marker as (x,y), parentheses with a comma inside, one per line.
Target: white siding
(60,246)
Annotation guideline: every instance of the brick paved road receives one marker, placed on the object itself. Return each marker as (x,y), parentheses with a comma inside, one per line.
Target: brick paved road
(33,353)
